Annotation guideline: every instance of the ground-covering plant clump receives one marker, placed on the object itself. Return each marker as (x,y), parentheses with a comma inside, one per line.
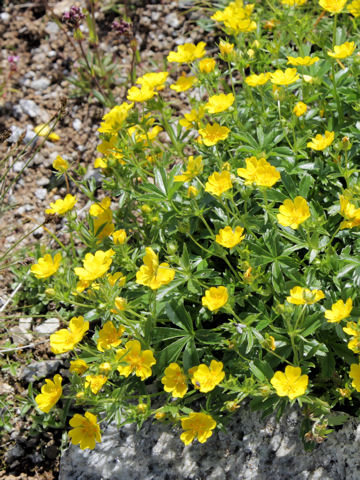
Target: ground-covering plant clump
(219,261)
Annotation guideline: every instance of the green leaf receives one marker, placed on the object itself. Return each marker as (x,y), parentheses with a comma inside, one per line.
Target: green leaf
(179,316)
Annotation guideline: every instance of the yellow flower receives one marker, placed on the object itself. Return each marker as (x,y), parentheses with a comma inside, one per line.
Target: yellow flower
(78,366)
(142,94)
(46,266)
(117,277)
(293,213)
(300,108)
(291,383)
(174,381)
(225,48)
(95,382)
(304,296)
(103,226)
(353,329)
(109,149)
(259,171)
(212,134)
(114,120)
(236,17)
(153,275)
(256,80)
(60,164)
(215,298)
(192,118)
(120,305)
(332,6)
(343,51)
(194,168)
(292,3)
(218,183)
(219,103)
(62,206)
(109,336)
(44,130)
(66,339)
(135,360)
(355,375)
(207,65)
(119,237)
(228,238)
(95,266)
(320,142)
(339,311)
(284,78)
(350,213)
(197,425)
(154,80)
(86,430)
(205,378)
(192,191)
(187,53)
(183,83)
(50,394)
(302,61)
(105,367)
(354,8)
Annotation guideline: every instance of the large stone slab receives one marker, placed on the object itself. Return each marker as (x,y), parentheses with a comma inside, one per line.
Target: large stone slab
(251,448)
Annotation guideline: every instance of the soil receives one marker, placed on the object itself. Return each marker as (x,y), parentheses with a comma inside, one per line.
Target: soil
(45,60)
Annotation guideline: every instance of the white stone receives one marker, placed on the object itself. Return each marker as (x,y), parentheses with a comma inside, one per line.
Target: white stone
(50,325)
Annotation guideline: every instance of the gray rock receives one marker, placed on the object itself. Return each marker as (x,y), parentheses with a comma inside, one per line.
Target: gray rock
(38,370)
(155,16)
(51,28)
(251,448)
(50,325)
(40,84)
(15,133)
(21,334)
(173,20)
(77,124)
(18,166)
(40,193)
(5,17)
(30,108)
(13,453)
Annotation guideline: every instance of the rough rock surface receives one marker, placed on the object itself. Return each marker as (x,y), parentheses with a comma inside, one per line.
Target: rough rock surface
(251,448)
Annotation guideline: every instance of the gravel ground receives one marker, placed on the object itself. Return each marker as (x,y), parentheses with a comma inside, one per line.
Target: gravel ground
(35,83)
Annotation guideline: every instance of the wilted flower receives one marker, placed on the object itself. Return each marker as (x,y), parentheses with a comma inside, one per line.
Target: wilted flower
(225,48)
